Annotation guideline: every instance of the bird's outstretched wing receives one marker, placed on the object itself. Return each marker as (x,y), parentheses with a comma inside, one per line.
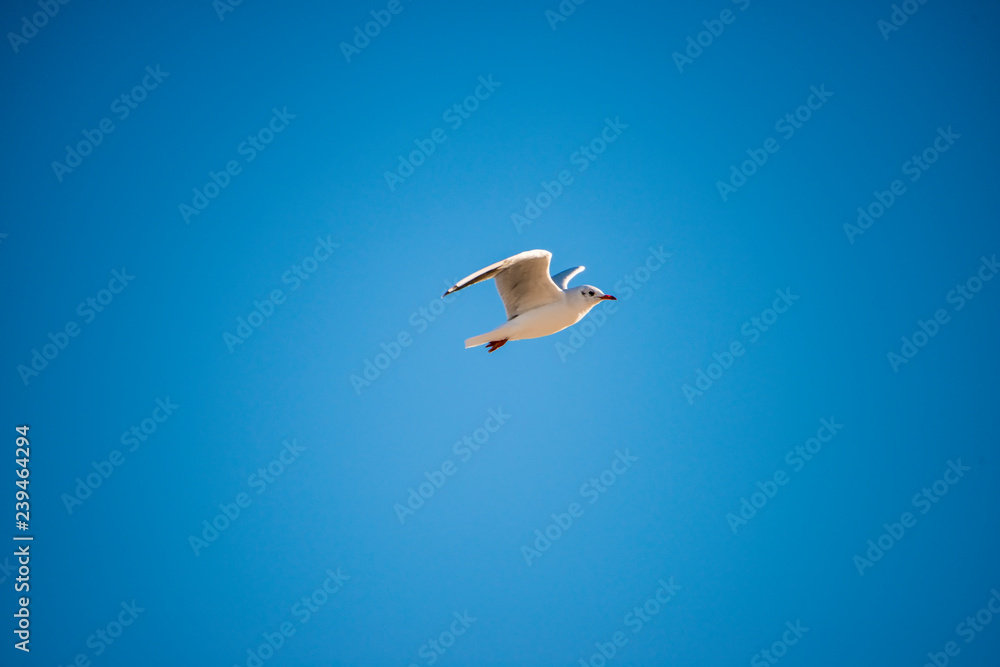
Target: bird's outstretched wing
(562,278)
(522,280)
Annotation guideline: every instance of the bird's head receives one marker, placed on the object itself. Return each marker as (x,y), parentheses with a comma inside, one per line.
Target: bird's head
(590,294)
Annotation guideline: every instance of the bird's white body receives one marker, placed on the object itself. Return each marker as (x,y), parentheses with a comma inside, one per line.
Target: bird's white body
(537,304)
(542,321)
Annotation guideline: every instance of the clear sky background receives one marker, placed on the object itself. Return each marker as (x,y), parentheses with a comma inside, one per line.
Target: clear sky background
(692,264)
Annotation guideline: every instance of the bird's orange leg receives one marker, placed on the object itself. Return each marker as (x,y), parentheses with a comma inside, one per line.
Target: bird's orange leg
(495,345)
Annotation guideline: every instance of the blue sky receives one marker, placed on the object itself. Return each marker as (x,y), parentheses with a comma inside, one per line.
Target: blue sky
(206,253)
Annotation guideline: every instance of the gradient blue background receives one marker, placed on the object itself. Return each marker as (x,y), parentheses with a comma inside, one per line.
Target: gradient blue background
(324,175)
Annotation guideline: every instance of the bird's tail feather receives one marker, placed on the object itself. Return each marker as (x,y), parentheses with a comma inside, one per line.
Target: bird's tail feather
(481,339)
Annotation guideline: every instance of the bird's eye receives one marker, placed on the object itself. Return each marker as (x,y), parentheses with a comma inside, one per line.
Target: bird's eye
(591,293)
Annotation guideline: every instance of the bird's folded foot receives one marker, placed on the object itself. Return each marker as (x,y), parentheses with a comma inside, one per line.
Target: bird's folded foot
(494,345)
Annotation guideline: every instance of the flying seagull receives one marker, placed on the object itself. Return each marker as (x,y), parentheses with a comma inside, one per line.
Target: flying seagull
(536,304)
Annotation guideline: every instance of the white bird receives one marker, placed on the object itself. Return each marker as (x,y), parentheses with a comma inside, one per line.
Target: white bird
(536,304)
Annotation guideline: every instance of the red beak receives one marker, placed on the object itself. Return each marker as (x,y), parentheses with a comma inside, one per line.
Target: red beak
(608,297)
